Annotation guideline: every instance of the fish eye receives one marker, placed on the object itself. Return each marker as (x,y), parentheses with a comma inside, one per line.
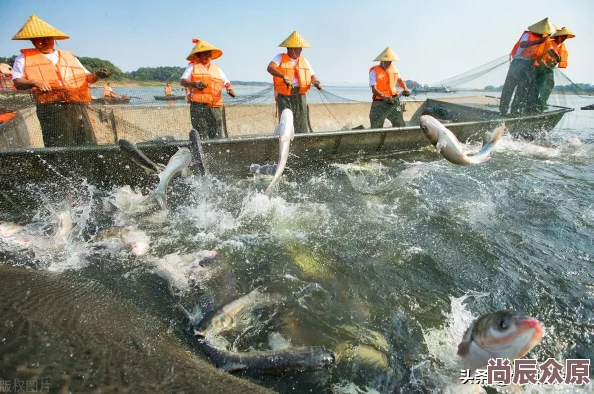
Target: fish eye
(504,323)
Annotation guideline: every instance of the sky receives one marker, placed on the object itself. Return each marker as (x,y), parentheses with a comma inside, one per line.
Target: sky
(434,39)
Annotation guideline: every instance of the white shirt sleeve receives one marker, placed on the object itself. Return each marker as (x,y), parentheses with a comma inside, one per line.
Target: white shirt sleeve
(18,68)
(278,59)
(372,77)
(188,72)
(224,78)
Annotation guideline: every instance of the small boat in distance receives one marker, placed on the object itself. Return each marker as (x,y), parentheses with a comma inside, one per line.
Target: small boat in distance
(169,97)
(432,89)
(111,100)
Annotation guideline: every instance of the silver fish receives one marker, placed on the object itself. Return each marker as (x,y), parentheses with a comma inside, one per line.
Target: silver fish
(501,334)
(449,147)
(286,133)
(177,164)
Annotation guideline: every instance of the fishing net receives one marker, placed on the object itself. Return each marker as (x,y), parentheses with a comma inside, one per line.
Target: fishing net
(146,114)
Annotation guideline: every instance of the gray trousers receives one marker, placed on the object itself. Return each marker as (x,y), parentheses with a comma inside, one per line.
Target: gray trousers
(208,121)
(380,111)
(65,124)
(520,77)
(298,104)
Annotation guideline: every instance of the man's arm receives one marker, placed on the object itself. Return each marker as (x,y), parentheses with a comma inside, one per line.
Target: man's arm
(273,70)
(25,84)
(526,44)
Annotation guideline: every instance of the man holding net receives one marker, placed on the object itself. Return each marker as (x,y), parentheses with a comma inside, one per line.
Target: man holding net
(292,76)
(382,80)
(205,81)
(59,83)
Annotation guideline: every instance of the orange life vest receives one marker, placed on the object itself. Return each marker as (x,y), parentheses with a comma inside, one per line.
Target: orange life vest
(564,54)
(168,90)
(528,52)
(300,69)
(6,116)
(385,80)
(212,93)
(67,78)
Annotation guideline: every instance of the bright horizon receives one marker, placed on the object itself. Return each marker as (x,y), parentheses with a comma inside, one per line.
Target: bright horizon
(434,40)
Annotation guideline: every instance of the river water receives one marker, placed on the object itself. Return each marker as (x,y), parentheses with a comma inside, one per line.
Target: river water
(386,262)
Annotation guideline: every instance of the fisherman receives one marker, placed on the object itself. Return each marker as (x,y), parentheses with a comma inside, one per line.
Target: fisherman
(206,81)
(382,80)
(521,73)
(108,92)
(168,90)
(550,55)
(60,85)
(292,76)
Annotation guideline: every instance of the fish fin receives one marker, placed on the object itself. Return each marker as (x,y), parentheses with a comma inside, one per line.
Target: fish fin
(463,349)
(161,199)
(230,367)
(440,145)
(160,166)
(186,172)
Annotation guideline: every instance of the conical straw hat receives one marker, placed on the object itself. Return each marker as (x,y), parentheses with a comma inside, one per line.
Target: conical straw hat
(544,27)
(564,31)
(295,40)
(36,28)
(386,56)
(203,46)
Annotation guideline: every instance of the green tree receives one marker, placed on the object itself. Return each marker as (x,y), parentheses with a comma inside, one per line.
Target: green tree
(93,64)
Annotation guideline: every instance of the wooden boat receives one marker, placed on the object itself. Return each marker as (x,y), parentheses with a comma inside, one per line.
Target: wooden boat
(432,89)
(169,97)
(588,107)
(106,165)
(111,101)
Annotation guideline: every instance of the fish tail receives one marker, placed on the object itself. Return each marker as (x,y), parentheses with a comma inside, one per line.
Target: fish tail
(161,198)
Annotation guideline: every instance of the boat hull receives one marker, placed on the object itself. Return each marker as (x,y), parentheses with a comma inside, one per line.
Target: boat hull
(105,166)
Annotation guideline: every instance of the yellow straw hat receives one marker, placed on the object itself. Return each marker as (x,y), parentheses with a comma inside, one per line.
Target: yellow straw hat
(386,56)
(544,27)
(295,40)
(564,31)
(36,28)
(203,46)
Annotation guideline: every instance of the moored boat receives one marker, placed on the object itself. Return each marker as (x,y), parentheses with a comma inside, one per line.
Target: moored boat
(111,100)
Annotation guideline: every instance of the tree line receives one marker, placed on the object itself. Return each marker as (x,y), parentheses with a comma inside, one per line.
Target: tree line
(158,74)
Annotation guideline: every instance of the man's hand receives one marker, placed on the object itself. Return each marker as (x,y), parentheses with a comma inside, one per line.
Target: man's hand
(406,93)
(230,92)
(103,73)
(200,85)
(41,85)
(388,100)
(287,82)
(317,84)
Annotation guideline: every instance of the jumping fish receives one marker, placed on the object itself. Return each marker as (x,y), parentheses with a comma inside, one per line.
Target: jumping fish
(198,161)
(270,361)
(178,164)
(225,317)
(135,240)
(139,157)
(286,133)
(9,228)
(501,334)
(449,147)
